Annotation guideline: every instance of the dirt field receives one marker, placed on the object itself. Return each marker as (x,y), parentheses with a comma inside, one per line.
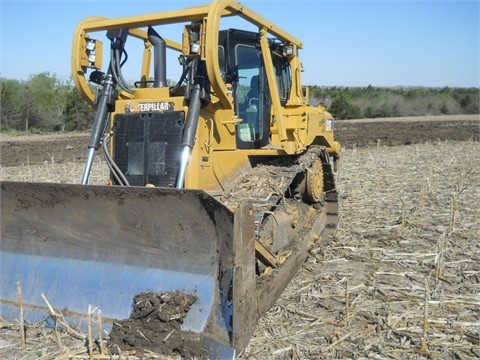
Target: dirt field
(399,280)
(58,149)
(401,277)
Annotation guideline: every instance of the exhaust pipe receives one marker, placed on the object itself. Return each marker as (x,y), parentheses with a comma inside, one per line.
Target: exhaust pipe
(159,58)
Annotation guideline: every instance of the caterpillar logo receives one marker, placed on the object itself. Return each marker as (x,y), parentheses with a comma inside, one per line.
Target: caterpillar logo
(160,106)
(155,106)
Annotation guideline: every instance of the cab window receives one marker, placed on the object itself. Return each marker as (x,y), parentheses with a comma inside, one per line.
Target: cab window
(249,99)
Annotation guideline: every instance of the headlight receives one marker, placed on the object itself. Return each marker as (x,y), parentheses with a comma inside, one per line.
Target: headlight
(329,125)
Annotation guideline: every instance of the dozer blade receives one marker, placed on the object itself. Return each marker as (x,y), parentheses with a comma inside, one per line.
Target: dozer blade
(84,245)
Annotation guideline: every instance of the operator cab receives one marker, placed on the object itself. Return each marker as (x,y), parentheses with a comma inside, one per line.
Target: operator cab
(242,65)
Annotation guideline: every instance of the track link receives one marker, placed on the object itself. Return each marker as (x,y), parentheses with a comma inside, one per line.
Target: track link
(267,185)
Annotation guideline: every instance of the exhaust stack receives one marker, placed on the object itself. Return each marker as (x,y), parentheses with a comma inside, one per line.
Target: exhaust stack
(159,58)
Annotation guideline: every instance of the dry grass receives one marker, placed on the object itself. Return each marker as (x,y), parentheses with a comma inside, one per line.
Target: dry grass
(70,172)
(399,280)
(415,119)
(401,277)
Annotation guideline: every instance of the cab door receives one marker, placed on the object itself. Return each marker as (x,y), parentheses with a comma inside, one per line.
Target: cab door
(245,71)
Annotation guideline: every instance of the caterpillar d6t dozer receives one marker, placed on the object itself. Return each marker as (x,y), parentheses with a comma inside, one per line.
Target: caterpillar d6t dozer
(219,185)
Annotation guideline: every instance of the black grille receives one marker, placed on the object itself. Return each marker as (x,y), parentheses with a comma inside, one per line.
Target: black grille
(147,146)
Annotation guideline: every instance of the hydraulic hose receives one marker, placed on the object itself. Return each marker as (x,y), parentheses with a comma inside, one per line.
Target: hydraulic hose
(105,105)
(189,133)
(191,122)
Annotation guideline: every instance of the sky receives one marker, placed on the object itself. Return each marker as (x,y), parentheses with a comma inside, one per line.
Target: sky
(432,43)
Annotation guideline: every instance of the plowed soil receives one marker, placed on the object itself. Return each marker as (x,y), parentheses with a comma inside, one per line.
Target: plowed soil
(154,325)
(71,147)
(400,279)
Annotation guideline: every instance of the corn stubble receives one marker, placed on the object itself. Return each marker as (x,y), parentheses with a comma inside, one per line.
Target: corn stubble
(400,279)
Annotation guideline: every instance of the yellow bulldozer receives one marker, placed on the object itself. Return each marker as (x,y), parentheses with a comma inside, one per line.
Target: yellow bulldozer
(220,181)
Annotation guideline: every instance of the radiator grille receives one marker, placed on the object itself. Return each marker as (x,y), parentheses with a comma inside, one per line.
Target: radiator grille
(147,146)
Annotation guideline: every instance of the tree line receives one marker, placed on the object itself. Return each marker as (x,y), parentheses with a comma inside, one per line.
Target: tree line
(45,103)
(378,102)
